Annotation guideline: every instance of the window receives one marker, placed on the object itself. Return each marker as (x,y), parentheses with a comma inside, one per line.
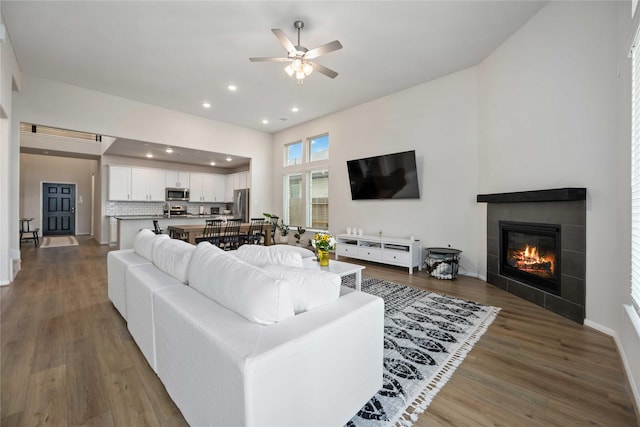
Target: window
(318,201)
(293,154)
(319,148)
(635,176)
(306,183)
(293,201)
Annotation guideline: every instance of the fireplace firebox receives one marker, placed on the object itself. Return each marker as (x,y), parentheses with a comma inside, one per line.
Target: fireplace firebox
(530,252)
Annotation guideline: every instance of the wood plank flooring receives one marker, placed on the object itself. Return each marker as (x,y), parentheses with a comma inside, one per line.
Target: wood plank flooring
(68,359)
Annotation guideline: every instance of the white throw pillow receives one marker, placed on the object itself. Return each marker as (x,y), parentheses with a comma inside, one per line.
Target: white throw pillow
(309,288)
(240,287)
(143,243)
(268,255)
(304,253)
(172,256)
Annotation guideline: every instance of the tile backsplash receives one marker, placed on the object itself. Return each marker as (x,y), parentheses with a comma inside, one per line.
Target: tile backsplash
(154,208)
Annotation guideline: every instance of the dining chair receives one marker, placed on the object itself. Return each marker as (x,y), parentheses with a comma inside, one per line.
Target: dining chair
(156,227)
(27,233)
(253,236)
(231,237)
(212,232)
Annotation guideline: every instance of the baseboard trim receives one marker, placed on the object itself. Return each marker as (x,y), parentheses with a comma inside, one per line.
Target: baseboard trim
(635,394)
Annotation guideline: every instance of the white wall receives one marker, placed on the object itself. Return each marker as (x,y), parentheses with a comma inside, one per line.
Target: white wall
(437,119)
(59,105)
(10,77)
(555,112)
(548,118)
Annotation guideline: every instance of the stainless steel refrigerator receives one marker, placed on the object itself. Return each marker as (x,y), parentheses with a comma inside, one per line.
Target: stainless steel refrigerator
(241,204)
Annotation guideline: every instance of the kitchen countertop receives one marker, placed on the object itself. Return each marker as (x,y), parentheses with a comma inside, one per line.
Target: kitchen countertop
(187,216)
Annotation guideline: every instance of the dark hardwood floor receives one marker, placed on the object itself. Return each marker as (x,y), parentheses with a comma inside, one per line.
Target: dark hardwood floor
(67,357)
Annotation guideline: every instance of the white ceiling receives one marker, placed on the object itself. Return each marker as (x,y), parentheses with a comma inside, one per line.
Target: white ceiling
(178,54)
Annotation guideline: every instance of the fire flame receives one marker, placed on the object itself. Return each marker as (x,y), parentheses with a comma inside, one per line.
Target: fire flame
(531,261)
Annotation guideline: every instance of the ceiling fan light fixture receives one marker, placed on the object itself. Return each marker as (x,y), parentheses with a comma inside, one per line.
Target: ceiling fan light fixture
(307,68)
(296,65)
(289,70)
(300,75)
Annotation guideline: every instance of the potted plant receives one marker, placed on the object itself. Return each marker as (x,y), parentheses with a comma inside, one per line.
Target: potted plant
(298,234)
(284,231)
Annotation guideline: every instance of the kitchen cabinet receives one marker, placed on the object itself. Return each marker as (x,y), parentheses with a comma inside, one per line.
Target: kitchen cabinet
(236,181)
(219,188)
(119,183)
(177,179)
(147,185)
(207,187)
(201,187)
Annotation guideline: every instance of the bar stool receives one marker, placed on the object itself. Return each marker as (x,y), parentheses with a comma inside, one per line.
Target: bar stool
(27,234)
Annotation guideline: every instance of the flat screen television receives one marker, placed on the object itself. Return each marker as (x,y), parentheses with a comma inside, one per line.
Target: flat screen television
(390,176)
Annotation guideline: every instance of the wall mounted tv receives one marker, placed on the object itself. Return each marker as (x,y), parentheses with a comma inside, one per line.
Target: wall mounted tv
(391,176)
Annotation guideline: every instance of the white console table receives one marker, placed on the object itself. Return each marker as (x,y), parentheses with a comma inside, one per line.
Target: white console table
(386,250)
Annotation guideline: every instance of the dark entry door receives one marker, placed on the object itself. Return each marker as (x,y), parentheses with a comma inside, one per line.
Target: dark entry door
(58,209)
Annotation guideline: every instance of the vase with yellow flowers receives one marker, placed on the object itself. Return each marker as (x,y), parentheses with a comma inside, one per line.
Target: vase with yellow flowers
(323,243)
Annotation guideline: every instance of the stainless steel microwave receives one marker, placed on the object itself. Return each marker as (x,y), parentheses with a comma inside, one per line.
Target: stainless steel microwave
(176,194)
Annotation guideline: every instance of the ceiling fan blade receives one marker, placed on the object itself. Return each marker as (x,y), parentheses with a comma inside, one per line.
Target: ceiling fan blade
(324,70)
(284,40)
(270,59)
(323,50)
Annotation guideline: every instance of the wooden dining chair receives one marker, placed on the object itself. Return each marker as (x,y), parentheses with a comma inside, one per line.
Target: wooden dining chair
(212,232)
(156,227)
(253,236)
(231,236)
(27,233)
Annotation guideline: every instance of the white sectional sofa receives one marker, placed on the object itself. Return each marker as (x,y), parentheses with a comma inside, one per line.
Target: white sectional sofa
(237,344)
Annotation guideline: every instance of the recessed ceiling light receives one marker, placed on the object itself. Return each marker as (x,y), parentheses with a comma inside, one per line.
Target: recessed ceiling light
(265,122)
(149,155)
(169,150)
(212,163)
(206,105)
(232,88)
(228,159)
(294,109)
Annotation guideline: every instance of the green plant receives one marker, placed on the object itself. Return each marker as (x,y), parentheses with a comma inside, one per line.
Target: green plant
(300,231)
(284,228)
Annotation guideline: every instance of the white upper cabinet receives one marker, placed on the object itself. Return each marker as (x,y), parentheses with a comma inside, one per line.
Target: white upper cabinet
(236,181)
(119,183)
(147,185)
(177,179)
(219,188)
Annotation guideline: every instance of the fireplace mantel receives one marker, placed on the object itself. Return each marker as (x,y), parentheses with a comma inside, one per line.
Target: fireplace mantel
(554,195)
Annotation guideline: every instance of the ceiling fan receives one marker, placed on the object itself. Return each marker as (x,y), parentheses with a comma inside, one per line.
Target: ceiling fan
(300,57)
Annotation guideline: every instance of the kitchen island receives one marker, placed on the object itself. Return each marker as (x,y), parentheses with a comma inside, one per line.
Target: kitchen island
(129,225)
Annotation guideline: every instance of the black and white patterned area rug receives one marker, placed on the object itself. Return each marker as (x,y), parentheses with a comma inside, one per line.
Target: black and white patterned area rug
(426,337)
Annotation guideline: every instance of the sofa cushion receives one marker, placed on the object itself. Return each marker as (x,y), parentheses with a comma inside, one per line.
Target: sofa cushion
(144,241)
(309,288)
(240,287)
(268,255)
(172,256)
(304,252)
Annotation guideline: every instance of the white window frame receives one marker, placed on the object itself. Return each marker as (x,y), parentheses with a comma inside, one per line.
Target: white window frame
(635,173)
(305,169)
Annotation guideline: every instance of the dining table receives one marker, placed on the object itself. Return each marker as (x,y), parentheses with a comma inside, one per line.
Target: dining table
(194,230)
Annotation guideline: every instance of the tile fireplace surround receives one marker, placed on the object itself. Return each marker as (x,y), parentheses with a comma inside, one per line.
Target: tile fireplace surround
(565,207)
